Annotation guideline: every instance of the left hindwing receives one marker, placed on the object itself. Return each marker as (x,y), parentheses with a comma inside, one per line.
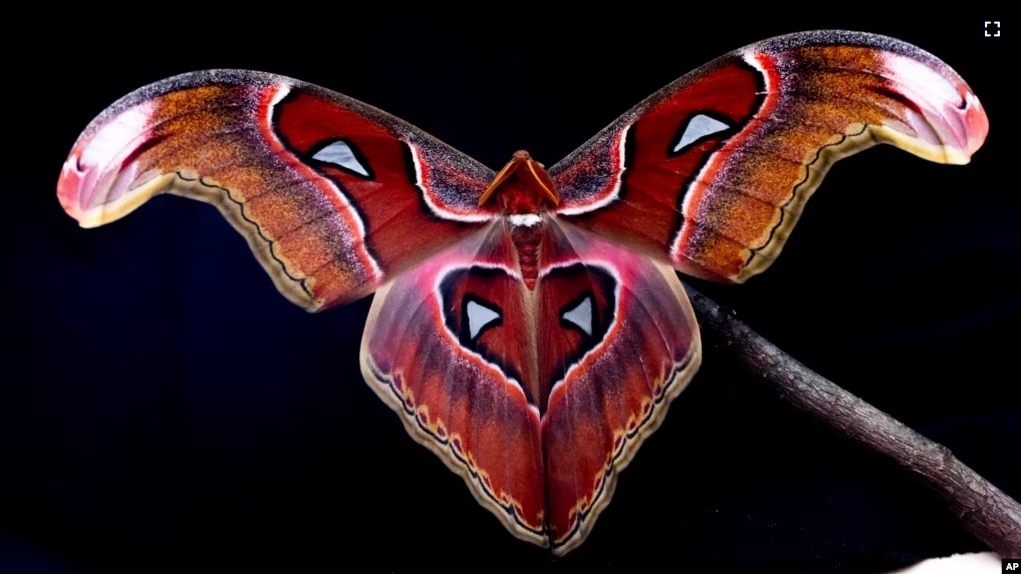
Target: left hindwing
(712,172)
(450,346)
(537,398)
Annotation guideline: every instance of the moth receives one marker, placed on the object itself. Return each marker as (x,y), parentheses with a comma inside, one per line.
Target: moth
(528,325)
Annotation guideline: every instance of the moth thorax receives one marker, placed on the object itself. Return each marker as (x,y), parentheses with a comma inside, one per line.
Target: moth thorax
(522,187)
(527,240)
(518,196)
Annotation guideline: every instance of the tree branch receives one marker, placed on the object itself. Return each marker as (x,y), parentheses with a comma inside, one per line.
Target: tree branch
(984,510)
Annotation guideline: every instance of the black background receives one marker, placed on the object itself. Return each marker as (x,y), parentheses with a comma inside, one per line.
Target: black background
(165,409)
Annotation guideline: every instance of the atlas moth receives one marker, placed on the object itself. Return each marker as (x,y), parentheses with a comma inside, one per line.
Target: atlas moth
(528,326)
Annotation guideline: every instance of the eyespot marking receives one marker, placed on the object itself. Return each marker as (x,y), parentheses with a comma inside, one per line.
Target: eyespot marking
(479,317)
(695,129)
(580,315)
(343,154)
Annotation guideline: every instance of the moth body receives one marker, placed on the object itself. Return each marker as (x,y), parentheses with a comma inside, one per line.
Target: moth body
(524,191)
(531,335)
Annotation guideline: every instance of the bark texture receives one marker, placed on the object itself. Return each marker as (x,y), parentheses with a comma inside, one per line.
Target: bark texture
(984,510)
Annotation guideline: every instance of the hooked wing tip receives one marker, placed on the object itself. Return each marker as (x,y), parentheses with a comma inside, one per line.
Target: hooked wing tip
(948,121)
(95,197)
(976,123)
(69,186)
(101,181)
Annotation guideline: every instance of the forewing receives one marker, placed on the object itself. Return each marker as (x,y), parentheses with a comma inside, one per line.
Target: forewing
(333,196)
(712,172)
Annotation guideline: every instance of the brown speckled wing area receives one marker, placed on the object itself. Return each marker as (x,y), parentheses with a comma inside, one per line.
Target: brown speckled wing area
(333,196)
(536,398)
(712,172)
(619,342)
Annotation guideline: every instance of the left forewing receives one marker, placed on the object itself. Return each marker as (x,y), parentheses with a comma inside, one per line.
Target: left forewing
(333,196)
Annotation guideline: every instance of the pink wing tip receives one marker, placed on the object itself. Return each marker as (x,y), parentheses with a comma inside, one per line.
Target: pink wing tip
(976,123)
(946,116)
(955,121)
(102,167)
(69,186)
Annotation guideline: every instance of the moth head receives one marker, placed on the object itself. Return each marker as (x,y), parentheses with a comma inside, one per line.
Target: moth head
(522,186)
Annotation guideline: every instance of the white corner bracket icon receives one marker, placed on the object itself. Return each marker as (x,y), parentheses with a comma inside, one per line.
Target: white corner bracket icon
(992,29)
